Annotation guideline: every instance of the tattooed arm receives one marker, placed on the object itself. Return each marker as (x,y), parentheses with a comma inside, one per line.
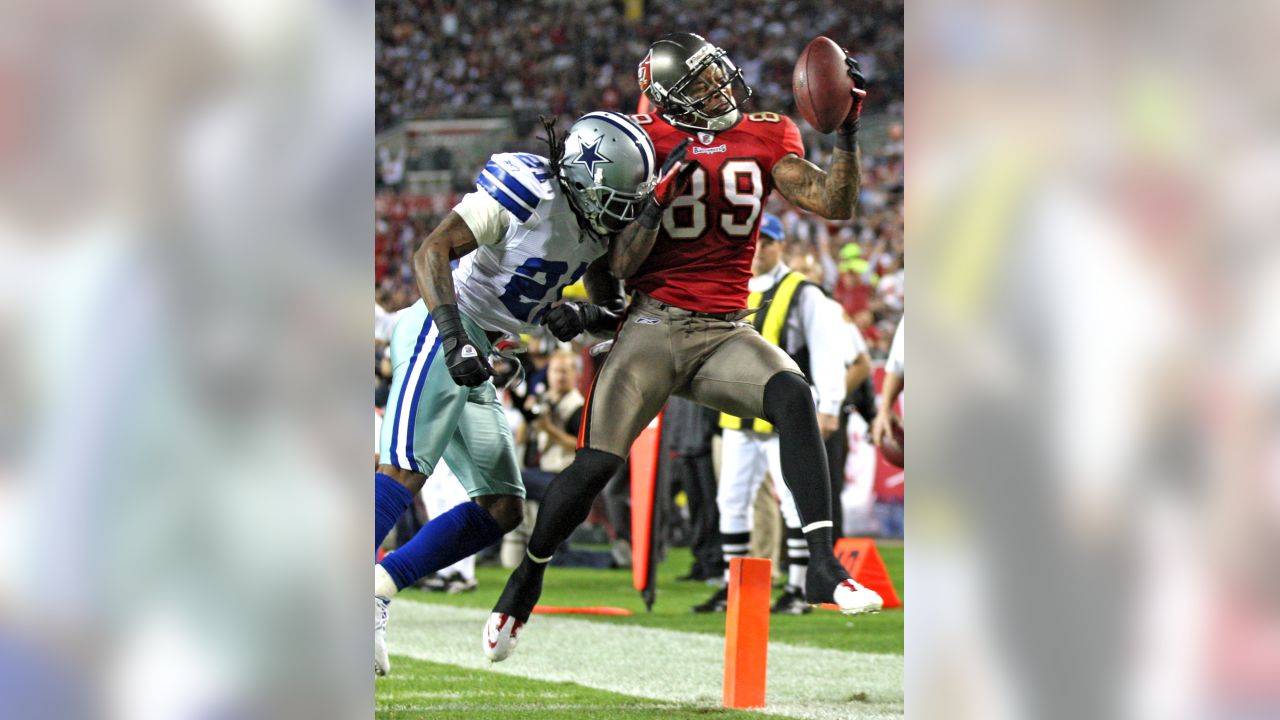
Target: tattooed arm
(452,237)
(630,248)
(833,194)
(450,240)
(632,245)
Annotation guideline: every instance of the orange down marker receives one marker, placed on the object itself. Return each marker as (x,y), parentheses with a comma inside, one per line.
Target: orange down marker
(746,632)
(862,559)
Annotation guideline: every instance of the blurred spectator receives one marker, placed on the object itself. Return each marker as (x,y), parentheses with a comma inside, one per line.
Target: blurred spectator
(558,413)
(381,375)
(384,321)
(852,290)
(892,286)
(866,325)
(391,167)
(552,418)
(448,58)
(687,429)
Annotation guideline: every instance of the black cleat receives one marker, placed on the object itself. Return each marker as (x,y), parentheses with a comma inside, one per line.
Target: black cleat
(716,603)
(456,583)
(697,574)
(791,602)
(822,578)
(435,582)
(523,589)
(830,583)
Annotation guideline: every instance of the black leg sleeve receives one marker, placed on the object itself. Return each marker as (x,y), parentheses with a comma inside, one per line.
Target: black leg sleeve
(565,506)
(788,405)
(569,498)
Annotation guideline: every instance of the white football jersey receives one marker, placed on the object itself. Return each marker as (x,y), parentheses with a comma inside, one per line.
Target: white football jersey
(510,285)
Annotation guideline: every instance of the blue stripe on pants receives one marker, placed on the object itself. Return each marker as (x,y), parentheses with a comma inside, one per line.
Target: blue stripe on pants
(417,395)
(395,427)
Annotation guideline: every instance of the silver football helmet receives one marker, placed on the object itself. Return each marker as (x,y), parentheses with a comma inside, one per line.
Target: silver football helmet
(694,82)
(607,169)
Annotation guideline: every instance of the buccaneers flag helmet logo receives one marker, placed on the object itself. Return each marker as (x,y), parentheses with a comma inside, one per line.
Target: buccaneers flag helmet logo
(643,73)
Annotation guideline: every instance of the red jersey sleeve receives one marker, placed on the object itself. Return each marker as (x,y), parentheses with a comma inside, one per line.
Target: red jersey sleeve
(791,142)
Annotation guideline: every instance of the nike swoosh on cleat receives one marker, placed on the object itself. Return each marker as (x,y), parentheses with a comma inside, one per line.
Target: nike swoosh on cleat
(493,640)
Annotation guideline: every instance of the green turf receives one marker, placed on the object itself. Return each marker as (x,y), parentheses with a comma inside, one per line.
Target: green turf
(419,689)
(880,633)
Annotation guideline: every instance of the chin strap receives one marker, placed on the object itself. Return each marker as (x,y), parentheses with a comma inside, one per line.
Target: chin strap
(732,118)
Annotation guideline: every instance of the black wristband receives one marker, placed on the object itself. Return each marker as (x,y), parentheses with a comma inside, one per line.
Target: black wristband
(447,318)
(596,318)
(847,140)
(651,216)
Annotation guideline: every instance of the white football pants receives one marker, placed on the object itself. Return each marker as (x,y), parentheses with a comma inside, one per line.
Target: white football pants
(745,458)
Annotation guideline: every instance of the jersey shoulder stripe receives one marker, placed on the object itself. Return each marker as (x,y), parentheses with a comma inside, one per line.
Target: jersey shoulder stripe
(518,181)
(490,185)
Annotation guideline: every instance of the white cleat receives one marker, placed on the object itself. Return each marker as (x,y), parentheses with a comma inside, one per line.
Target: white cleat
(381,661)
(500,636)
(855,599)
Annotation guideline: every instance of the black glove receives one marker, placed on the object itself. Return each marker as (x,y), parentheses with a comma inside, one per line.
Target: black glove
(466,363)
(568,320)
(673,178)
(848,129)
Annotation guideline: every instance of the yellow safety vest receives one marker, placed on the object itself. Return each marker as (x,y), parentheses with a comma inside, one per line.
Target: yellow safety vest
(771,323)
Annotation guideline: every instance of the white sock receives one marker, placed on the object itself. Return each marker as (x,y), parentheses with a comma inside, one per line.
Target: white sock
(383,586)
(796,575)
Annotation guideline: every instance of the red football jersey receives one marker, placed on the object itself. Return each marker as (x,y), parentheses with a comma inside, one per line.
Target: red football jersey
(701,260)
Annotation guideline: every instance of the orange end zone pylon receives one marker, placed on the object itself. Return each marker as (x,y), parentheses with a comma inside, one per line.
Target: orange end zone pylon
(861,558)
(644,478)
(746,632)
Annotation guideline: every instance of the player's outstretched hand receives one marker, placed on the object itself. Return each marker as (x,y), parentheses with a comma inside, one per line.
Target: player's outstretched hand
(674,176)
(467,365)
(859,91)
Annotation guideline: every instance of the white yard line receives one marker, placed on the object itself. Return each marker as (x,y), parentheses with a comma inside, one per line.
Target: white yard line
(803,682)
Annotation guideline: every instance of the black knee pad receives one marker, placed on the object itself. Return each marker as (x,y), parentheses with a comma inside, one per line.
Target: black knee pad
(787,397)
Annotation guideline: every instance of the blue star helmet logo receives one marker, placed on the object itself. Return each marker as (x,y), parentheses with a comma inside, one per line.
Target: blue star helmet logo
(590,156)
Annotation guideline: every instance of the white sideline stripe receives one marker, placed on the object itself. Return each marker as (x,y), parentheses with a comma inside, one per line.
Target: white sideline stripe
(653,663)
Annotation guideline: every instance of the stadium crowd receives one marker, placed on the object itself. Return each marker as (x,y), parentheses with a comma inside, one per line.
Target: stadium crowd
(453,59)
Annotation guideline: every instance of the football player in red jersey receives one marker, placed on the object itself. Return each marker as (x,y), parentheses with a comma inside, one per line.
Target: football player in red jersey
(687,260)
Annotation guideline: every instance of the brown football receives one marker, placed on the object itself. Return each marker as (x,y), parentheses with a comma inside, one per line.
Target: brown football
(821,85)
(894,449)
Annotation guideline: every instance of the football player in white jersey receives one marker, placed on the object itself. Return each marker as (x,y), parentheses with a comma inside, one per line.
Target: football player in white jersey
(533,226)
